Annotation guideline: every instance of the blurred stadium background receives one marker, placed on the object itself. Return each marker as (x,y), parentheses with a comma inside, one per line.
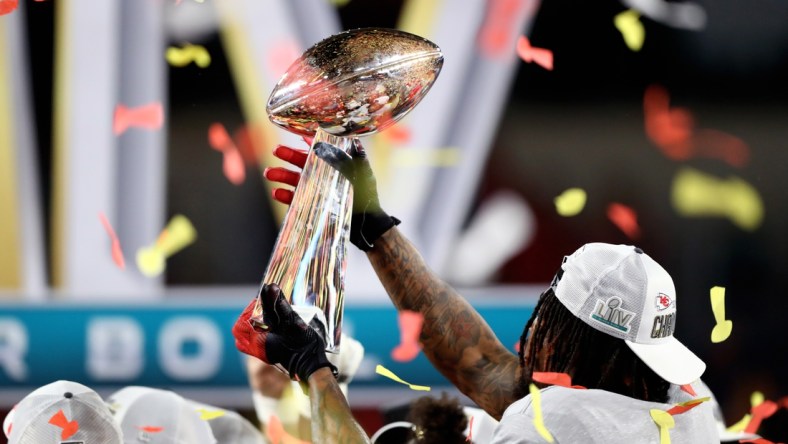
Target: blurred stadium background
(473,172)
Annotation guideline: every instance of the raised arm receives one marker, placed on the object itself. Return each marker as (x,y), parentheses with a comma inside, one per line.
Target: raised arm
(289,342)
(456,338)
(332,420)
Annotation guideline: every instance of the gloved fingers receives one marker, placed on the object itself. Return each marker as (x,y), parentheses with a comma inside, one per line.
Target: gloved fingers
(357,149)
(282,175)
(291,155)
(282,195)
(270,295)
(338,159)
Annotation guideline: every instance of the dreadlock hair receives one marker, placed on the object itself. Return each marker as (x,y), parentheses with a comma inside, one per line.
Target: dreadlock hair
(438,420)
(590,357)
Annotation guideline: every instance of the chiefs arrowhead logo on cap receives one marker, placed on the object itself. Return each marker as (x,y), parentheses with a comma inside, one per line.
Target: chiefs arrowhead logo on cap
(663,301)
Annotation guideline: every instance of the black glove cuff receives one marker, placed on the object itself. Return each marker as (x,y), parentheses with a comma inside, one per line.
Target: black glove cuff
(366,228)
(309,361)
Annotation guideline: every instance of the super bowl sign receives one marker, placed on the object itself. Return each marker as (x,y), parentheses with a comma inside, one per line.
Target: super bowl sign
(183,346)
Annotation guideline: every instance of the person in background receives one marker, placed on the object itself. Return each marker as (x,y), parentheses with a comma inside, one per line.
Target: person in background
(61,412)
(152,416)
(437,421)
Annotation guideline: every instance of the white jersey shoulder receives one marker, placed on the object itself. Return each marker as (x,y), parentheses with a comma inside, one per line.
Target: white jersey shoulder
(598,416)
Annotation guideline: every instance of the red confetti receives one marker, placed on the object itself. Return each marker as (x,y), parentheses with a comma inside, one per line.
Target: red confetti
(470,431)
(69,427)
(397,134)
(250,140)
(673,131)
(278,435)
(624,218)
(540,56)
(759,413)
(117,252)
(688,388)
(8,6)
(410,323)
(757,441)
(500,24)
(233,167)
(553,378)
(282,56)
(679,409)
(149,116)
(151,429)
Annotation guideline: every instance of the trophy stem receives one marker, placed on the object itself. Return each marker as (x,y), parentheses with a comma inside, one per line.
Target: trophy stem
(309,258)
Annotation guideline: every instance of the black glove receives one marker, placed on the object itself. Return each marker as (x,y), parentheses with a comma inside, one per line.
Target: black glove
(286,340)
(368,221)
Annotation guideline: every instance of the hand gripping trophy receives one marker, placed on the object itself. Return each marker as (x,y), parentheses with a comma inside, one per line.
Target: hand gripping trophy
(354,83)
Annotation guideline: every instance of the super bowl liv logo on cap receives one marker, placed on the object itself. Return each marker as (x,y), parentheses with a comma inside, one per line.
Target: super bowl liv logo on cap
(612,314)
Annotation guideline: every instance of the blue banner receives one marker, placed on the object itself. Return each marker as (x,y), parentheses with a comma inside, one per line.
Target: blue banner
(185,344)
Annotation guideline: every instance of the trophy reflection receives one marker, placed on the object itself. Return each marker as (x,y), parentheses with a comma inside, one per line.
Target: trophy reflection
(350,84)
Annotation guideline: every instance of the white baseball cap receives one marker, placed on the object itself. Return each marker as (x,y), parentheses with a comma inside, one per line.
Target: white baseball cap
(621,291)
(228,427)
(151,416)
(62,412)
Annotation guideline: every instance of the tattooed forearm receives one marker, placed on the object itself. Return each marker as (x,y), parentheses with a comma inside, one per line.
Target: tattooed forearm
(456,339)
(332,420)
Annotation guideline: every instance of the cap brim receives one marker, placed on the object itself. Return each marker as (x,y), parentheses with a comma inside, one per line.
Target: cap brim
(671,360)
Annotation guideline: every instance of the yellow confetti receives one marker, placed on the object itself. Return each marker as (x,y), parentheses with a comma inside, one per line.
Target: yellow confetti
(722,330)
(410,157)
(694,401)
(697,194)
(181,57)
(741,425)
(757,399)
(379,369)
(629,25)
(665,422)
(571,202)
(339,3)
(178,234)
(536,402)
(207,415)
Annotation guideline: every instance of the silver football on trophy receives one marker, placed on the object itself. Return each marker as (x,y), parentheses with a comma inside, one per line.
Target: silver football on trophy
(354,83)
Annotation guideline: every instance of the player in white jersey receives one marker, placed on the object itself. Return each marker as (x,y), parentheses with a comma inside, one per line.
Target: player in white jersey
(607,320)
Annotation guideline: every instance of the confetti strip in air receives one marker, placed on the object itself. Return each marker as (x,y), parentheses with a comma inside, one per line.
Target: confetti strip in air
(553,378)
(687,388)
(8,6)
(233,163)
(207,415)
(665,422)
(686,406)
(69,428)
(410,323)
(178,234)
(470,431)
(629,25)
(740,425)
(149,117)
(624,218)
(540,56)
(697,194)
(151,429)
(673,131)
(180,57)
(499,26)
(117,252)
(722,330)
(571,202)
(383,371)
(761,409)
(536,402)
